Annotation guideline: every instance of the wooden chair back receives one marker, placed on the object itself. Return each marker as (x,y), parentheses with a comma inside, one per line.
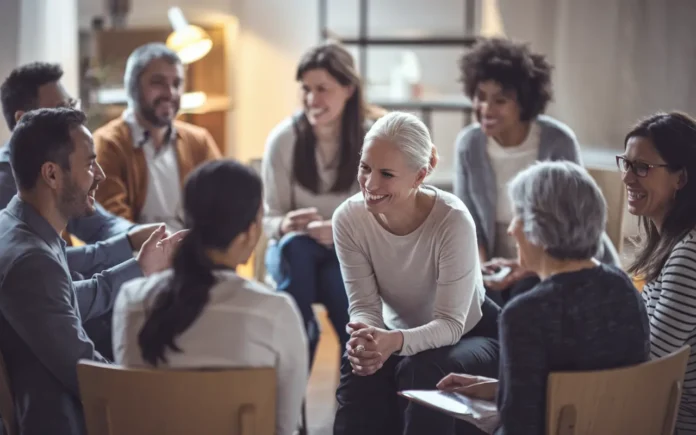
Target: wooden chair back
(131,401)
(638,400)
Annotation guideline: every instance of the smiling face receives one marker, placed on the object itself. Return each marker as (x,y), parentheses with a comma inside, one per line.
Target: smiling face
(323,97)
(496,109)
(161,85)
(386,179)
(650,196)
(80,181)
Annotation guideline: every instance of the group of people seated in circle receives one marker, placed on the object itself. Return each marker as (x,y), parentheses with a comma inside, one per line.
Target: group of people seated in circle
(410,274)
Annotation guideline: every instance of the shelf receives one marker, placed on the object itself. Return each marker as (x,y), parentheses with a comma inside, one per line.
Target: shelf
(194,103)
(457,41)
(452,104)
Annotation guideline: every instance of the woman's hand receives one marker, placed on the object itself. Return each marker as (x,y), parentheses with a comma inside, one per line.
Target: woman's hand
(369,347)
(516,273)
(321,232)
(297,220)
(477,387)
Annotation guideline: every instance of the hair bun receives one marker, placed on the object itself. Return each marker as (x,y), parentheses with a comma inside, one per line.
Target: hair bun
(434,158)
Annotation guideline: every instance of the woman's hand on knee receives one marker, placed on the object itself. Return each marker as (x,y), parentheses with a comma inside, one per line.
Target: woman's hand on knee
(478,387)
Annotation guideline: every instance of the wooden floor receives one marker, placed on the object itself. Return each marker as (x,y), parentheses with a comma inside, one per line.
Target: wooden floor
(321,398)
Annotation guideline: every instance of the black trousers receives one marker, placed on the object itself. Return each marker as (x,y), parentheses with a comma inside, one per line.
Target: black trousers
(369,405)
(506,295)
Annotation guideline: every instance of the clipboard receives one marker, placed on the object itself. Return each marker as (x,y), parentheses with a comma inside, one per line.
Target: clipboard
(481,413)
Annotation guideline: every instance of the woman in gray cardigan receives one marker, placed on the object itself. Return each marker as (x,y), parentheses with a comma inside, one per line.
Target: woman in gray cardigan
(510,88)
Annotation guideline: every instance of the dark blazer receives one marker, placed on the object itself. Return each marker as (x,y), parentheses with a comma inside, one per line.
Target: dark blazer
(41,315)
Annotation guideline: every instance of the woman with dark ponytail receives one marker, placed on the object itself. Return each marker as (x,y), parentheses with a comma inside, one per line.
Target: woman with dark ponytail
(201,313)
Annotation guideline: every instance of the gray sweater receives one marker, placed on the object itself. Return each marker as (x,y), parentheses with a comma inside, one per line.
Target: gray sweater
(474,180)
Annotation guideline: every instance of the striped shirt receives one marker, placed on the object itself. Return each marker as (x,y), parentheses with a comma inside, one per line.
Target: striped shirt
(671,301)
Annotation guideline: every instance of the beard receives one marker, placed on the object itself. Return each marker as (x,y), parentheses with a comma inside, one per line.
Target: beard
(149,112)
(74,202)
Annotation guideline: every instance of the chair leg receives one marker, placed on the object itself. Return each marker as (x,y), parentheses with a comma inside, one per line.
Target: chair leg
(303,423)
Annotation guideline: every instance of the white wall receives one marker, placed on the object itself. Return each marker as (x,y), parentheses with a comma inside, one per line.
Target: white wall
(39,30)
(9,43)
(48,33)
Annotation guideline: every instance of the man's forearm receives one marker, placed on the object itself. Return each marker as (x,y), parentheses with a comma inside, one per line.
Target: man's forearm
(94,258)
(96,295)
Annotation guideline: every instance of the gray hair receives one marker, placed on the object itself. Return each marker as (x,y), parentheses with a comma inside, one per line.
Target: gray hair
(138,60)
(408,133)
(561,207)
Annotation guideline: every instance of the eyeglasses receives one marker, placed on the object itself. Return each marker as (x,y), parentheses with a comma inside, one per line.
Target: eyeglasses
(640,169)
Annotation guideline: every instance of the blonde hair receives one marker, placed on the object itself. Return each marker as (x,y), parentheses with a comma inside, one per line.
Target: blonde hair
(408,133)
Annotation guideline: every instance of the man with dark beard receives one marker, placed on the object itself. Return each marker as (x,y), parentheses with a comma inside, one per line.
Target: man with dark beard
(146,154)
(111,240)
(41,308)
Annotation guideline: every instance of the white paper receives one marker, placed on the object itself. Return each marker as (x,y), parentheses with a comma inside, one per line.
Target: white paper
(481,413)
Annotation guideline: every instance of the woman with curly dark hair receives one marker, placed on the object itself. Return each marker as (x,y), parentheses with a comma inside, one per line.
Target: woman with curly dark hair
(510,87)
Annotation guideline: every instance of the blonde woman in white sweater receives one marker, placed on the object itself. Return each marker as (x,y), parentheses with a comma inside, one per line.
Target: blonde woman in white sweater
(418,309)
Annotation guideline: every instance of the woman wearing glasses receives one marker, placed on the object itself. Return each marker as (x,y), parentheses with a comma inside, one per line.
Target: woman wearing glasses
(659,157)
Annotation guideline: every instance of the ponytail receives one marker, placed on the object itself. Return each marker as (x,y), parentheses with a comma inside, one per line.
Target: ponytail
(180,303)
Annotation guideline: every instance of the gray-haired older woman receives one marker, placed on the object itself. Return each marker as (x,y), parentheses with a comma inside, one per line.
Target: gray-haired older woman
(583,315)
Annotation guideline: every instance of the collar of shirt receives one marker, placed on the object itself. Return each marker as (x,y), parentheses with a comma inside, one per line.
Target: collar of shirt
(140,135)
(29,215)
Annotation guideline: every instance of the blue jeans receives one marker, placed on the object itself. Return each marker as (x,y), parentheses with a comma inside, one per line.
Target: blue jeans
(310,273)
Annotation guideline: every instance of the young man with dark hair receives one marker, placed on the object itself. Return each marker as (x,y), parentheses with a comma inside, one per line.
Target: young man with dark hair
(34,86)
(111,240)
(41,308)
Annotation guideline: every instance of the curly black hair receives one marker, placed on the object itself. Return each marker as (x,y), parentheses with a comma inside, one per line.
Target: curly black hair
(515,68)
(20,90)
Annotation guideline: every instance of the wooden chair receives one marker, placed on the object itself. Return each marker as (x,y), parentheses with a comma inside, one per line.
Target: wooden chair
(638,400)
(129,401)
(7,409)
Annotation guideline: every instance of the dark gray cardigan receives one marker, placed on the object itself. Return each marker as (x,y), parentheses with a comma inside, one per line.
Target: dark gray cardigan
(474,180)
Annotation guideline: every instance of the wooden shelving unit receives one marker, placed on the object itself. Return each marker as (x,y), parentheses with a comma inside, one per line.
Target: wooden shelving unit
(364,41)
(209,75)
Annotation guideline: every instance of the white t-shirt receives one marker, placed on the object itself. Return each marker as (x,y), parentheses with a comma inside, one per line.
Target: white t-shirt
(163,182)
(508,162)
(244,324)
(427,284)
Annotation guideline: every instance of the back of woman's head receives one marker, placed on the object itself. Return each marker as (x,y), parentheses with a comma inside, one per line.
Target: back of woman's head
(410,135)
(674,137)
(561,207)
(221,201)
(339,64)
